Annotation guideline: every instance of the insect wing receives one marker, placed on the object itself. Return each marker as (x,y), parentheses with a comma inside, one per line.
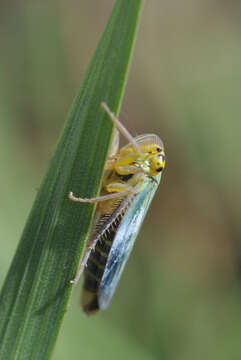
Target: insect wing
(124,241)
(146,139)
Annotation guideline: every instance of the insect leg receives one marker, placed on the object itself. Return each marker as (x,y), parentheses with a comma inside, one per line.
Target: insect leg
(98,198)
(109,165)
(84,261)
(132,186)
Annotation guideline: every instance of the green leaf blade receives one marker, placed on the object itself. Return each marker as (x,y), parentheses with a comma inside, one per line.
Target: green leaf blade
(37,288)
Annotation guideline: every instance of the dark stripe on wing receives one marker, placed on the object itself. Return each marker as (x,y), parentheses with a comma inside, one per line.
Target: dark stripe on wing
(105,232)
(95,269)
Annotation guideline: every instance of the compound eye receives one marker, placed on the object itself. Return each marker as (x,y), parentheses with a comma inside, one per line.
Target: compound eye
(160,164)
(157,163)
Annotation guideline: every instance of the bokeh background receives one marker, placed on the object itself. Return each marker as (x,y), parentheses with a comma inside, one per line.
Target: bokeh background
(180,295)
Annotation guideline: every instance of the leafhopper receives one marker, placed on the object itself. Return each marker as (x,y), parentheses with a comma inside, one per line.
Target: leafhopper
(132,175)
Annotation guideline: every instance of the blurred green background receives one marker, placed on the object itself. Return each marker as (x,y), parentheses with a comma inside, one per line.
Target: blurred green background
(180,295)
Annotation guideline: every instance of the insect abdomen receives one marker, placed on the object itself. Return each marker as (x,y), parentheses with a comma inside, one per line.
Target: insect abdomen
(95,269)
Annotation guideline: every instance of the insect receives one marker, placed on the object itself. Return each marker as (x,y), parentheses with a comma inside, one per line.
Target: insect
(131,178)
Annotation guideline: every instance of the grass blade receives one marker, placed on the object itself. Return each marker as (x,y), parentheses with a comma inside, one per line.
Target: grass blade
(37,288)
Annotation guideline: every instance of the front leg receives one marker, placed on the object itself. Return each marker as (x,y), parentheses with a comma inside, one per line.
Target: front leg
(124,164)
(110,162)
(131,186)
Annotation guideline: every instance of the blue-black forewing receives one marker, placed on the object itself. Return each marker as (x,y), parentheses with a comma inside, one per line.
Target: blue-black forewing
(126,234)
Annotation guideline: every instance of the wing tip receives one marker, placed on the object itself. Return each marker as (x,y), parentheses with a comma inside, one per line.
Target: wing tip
(89,302)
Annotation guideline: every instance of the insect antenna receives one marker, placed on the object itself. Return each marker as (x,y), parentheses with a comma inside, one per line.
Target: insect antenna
(121,128)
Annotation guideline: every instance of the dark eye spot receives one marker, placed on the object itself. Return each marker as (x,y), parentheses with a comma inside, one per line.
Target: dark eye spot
(159,169)
(158,149)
